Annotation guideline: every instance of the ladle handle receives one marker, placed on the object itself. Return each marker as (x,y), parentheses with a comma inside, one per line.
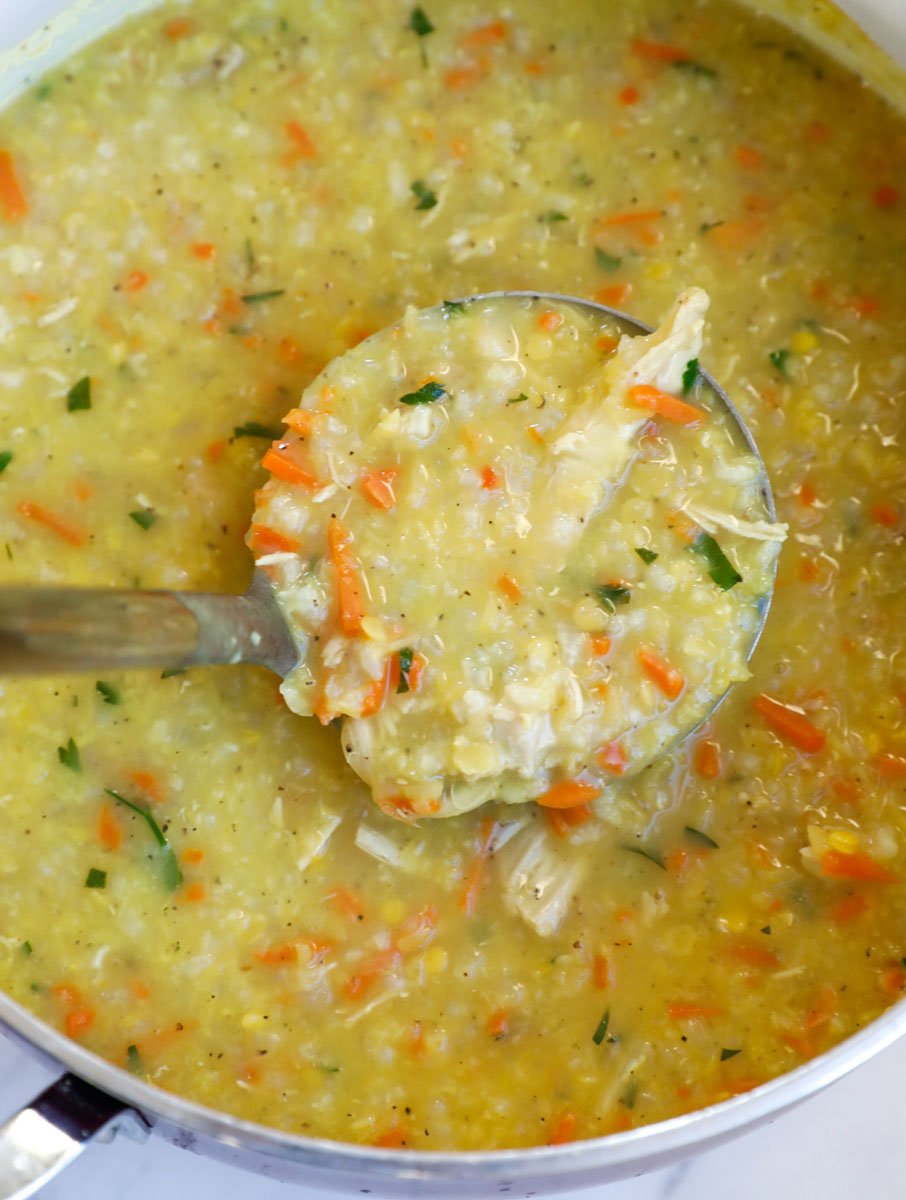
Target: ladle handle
(55,630)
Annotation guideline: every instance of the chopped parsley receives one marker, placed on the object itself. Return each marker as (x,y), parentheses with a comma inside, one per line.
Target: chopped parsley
(694,68)
(26,949)
(108,692)
(628,1097)
(171,671)
(6,457)
(520,399)
(601,1032)
(453,308)
(609,595)
(69,756)
(419,23)
(651,855)
(96,878)
(134,1059)
(250,261)
(607,262)
(696,835)
(423,194)
(261,297)
(78,398)
(725,1054)
(42,92)
(707,226)
(779,358)
(172,875)
(647,556)
(552,218)
(144,517)
(426,394)
(719,566)
(406,656)
(254,429)
(690,376)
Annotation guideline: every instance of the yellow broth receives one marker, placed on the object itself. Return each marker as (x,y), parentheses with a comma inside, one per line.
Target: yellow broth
(198,156)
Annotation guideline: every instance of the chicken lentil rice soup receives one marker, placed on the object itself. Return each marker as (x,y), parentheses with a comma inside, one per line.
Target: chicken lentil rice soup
(196,215)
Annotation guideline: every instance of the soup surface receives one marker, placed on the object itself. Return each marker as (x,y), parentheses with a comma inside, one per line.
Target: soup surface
(196,214)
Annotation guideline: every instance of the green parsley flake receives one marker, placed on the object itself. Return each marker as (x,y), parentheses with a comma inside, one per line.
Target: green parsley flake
(144,517)
(601,1032)
(607,262)
(780,358)
(261,297)
(419,23)
(725,1054)
(520,399)
(96,878)
(426,198)
(172,875)
(609,595)
(702,839)
(6,457)
(134,1060)
(253,429)
(690,376)
(426,394)
(647,556)
(552,218)
(651,855)
(108,692)
(453,308)
(69,756)
(719,566)
(78,398)
(694,68)
(406,656)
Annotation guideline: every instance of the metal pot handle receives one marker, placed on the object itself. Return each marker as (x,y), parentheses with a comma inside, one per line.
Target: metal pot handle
(54,1129)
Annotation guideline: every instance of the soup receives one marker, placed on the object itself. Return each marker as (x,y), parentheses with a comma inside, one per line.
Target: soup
(198,213)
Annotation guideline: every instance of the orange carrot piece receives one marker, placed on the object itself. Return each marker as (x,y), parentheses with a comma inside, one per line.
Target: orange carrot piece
(264,540)
(600,972)
(885,514)
(749,157)
(179,28)
(376,696)
(550,320)
(561,820)
(303,146)
(601,644)
(629,95)
(50,520)
(567,794)
(794,726)
(192,856)
(278,462)
(509,587)
(858,866)
(631,216)
(642,395)
(667,679)
(214,451)
(752,954)
(659,51)
(370,973)
(415,671)
(613,757)
(706,759)
(350,607)
(886,196)
(12,198)
(891,766)
(136,281)
(278,956)
(490,480)
(679,1011)
(147,783)
(474,877)
(300,420)
(78,1022)
(344,900)
(848,909)
(392,1139)
(614,294)
(206,251)
(564,1129)
(377,487)
(498,1024)
(486,35)
(109,832)
(461,77)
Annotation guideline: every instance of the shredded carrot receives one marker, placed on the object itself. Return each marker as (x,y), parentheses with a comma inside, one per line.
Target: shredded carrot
(302,145)
(300,420)
(12,198)
(886,196)
(214,451)
(350,608)
(179,28)
(629,95)
(600,972)
(794,726)
(109,832)
(536,435)
(498,1024)
(885,514)
(206,251)
(736,235)
(50,520)
(550,320)
(147,783)
(752,954)
(417,1044)
(377,487)
(347,902)
(667,679)
(824,1008)
(642,395)
(892,979)
(848,790)
(461,77)
(392,1139)
(136,281)
(564,1129)
(606,343)
(140,990)
(706,759)
(285,468)
(817,132)
(414,674)
(891,766)
(864,306)
(601,644)
(264,540)
(848,909)
(567,794)
(748,157)
(613,757)
(79,1021)
(561,820)
(486,35)
(679,1011)
(289,351)
(632,216)
(370,973)
(192,856)
(459,146)
(509,587)
(376,696)
(614,295)
(193,892)
(490,480)
(537,66)
(858,866)
(278,956)
(474,877)
(683,526)
(659,51)
(806,494)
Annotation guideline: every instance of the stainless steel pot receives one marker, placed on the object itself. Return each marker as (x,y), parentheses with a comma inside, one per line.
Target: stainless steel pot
(94,1098)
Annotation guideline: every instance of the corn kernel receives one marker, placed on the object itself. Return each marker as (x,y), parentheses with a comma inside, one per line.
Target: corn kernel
(736,921)
(803,341)
(436,960)
(844,841)
(251,1020)
(393,910)
(657,270)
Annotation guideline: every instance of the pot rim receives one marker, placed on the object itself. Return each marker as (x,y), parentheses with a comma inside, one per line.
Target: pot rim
(648,1144)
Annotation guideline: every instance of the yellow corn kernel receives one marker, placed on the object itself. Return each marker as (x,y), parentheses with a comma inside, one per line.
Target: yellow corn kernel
(803,341)
(252,1020)
(393,910)
(736,921)
(844,841)
(657,270)
(436,960)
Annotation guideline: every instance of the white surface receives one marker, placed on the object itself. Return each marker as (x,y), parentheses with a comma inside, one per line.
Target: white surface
(847,1142)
